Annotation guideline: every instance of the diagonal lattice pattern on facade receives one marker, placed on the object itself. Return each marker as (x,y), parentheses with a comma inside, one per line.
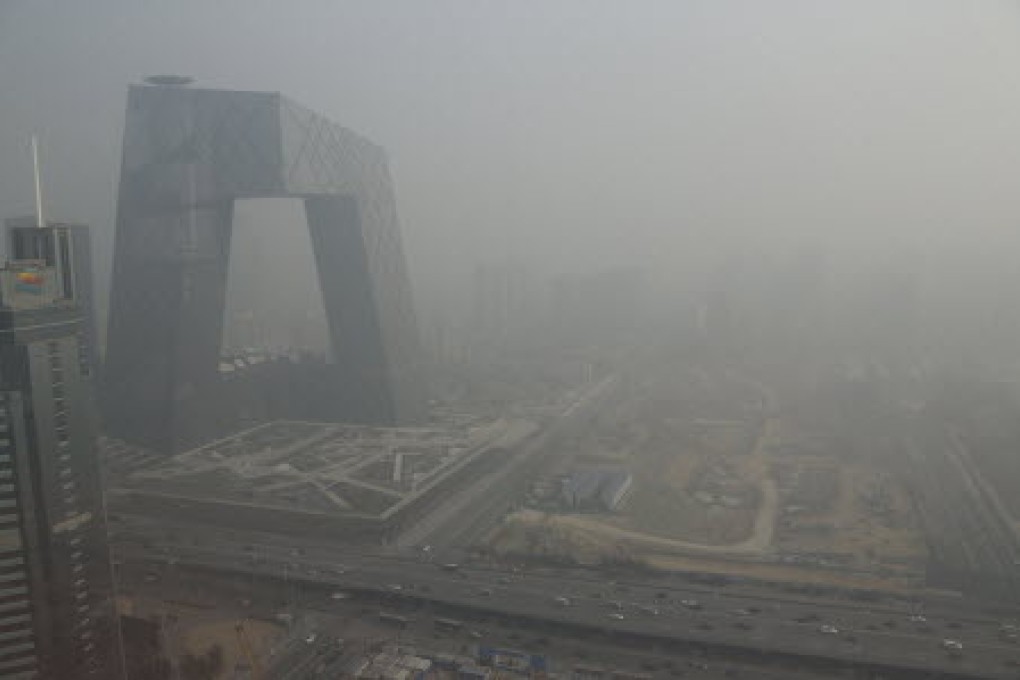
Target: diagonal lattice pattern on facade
(188,155)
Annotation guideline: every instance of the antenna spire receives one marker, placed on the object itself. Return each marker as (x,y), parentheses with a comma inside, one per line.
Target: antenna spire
(38,184)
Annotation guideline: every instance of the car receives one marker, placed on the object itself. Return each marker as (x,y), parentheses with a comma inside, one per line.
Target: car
(311,637)
(338,595)
(151,577)
(562,601)
(952,647)
(426,548)
(828,629)
(743,625)
(485,592)
(616,615)
(917,618)
(691,604)
(477,635)
(396,587)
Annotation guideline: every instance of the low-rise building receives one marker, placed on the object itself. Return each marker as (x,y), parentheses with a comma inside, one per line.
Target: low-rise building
(596,489)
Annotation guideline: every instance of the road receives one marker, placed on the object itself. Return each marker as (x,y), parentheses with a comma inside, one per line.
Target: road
(874,634)
(971,543)
(471,511)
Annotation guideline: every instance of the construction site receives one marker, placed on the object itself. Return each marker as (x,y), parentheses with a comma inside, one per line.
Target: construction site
(719,481)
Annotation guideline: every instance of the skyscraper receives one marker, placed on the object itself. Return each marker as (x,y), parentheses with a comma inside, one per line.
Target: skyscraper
(188,155)
(57,617)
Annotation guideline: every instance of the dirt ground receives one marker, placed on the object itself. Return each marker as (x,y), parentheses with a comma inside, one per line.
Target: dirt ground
(261,635)
(856,528)
(739,495)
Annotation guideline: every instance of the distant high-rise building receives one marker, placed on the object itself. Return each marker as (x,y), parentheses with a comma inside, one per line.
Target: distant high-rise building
(501,304)
(26,241)
(598,306)
(57,613)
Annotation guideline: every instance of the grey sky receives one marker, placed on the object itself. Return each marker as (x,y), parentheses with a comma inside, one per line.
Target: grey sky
(571,133)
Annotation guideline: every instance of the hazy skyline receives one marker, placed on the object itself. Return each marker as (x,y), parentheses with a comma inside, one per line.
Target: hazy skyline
(571,134)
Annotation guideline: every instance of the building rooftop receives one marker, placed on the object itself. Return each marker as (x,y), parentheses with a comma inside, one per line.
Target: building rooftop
(312,467)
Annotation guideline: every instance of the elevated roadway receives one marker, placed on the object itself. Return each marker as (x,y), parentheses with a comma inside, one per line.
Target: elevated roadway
(880,637)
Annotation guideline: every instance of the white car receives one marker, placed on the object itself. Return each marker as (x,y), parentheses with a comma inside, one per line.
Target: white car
(616,615)
(311,637)
(339,596)
(562,601)
(826,629)
(952,647)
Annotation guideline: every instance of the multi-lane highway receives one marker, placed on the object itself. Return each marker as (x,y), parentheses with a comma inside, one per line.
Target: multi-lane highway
(890,636)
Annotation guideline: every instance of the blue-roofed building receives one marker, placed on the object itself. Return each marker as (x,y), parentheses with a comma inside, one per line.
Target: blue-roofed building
(596,489)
